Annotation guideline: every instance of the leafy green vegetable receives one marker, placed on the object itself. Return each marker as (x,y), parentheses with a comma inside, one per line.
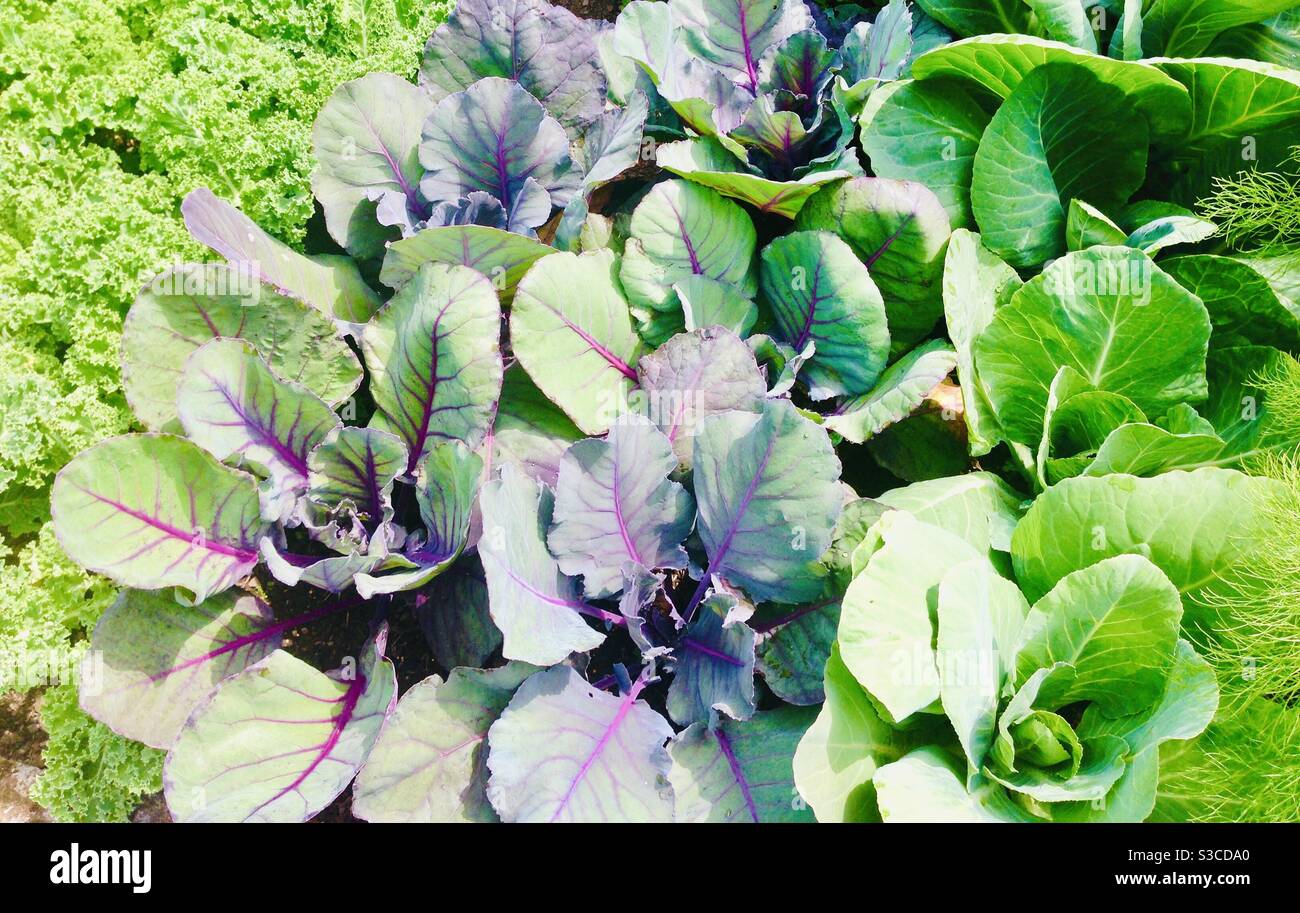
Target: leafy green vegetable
(963,641)
(562,751)
(402,782)
(898,229)
(820,293)
(599,445)
(1041,151)
(581,352)
(263,781)
(739,772)
(928,132)
(1195,526)
(1109,314)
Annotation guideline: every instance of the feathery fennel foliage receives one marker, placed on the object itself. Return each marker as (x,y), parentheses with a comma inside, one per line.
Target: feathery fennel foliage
(1258,209)
(1246,767)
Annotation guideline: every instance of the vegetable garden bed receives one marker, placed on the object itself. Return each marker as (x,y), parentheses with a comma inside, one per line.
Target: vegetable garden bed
(738,411)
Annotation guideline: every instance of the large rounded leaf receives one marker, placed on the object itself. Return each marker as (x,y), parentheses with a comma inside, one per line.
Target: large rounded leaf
(545,48)
(715,666)
(899,229)
(563,751)
(430,762)
(1186,706)
(978,507)
(1000,62)
(680,230)
(1142,449)
(233,405)
(161,659)
(1086,226)
(332,285)
(1111,315)
(695,375)
(740,772)
(734,34)
(1235,408)
(792,655)
(435,360)
(704,99)
(1233,98)
(820,293)
(493,137)
(980,615)
(613,143)
(189,305)
(1063,133)
(768,493)
(981,17)
(928,132)
(279,741)
(644,33)
(571,329)
(1243,308)
(1197,527)
(879,50)
(1185,28)
(847,743)
(614,503)
(1066,20)
(1275,41)
(366,140)
(537,608)
(709,303)
(924,788)
(154,510)
(502,256)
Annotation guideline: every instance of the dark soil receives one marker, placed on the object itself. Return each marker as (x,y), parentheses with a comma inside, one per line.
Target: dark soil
(21,743)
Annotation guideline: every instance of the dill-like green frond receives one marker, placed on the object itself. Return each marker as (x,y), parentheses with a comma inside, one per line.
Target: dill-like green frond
(1280,385)
(1257,651)
(1246,767)
(1257,209)
(1247,764)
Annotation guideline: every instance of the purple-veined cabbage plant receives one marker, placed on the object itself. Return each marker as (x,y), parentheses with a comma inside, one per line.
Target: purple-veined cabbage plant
(557,438)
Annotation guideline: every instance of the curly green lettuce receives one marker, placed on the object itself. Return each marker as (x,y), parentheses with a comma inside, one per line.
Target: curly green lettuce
(91,773)
(45,601)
